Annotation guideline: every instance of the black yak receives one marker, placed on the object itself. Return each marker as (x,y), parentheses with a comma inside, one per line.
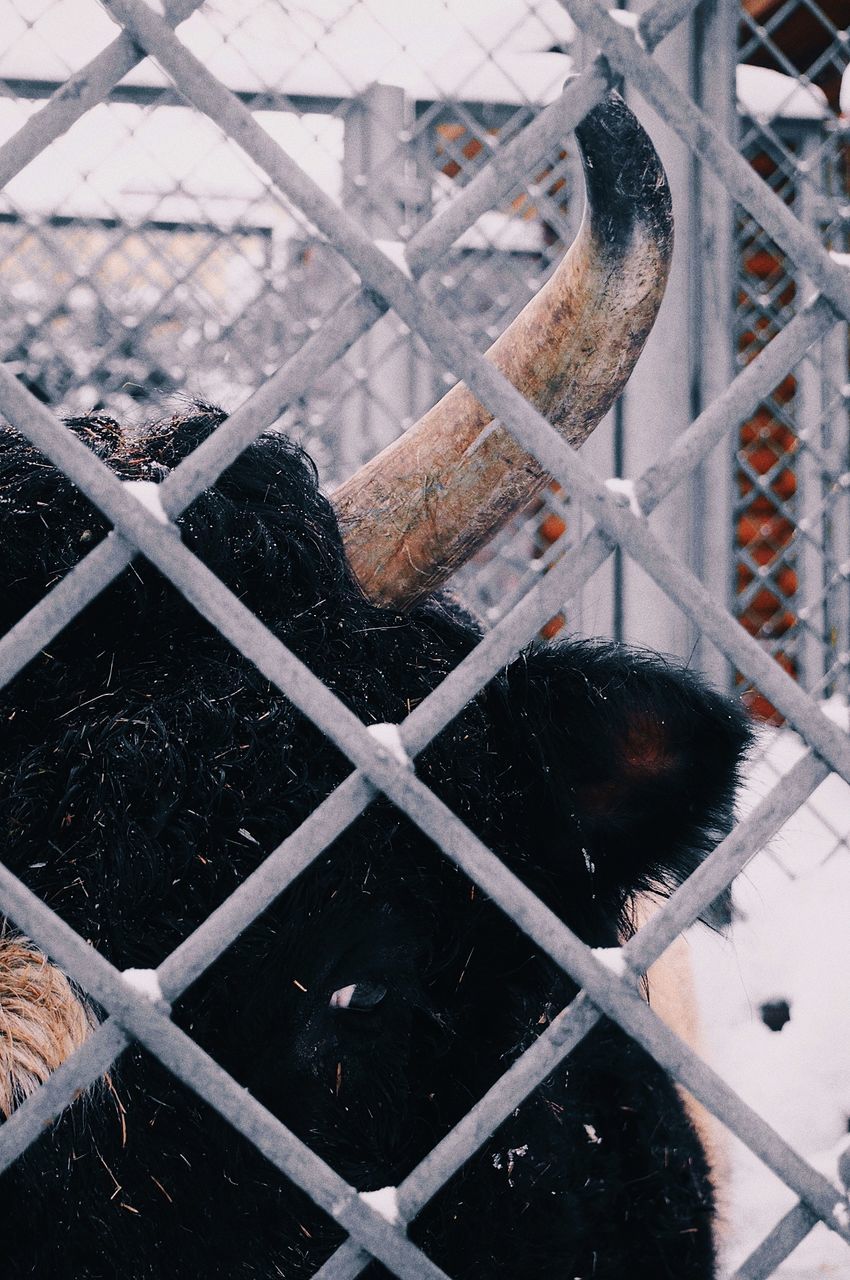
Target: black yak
(146,768)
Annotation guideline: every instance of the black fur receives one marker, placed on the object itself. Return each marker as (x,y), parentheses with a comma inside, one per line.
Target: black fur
(146,769)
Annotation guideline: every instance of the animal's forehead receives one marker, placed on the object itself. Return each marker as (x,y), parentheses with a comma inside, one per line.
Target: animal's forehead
(364,933)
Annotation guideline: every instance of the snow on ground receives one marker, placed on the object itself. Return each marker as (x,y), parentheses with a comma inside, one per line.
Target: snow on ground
(791,942)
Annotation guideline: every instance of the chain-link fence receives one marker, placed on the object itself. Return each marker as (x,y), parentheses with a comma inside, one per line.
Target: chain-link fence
(422,193)
(790,562)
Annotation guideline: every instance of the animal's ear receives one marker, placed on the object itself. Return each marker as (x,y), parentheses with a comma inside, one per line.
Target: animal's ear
(642,761)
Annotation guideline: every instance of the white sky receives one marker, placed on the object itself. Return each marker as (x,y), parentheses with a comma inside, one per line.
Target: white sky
(120,159)
(172,163)
(326,45)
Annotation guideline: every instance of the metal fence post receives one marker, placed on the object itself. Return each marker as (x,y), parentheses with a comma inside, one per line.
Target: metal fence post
(809,424)
(657,404)
(374,176)
(713,297)
(597,607)
(836,438)
(835,347)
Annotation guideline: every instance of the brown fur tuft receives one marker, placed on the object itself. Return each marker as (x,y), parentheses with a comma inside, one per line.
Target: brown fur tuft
(42,1020)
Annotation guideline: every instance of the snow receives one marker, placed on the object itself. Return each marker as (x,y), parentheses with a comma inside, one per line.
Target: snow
(844,93)
(769,95)
(790,941)
(394,250)
(385,1202)
(487,50)
(175,165)
(169,164)
(389,737)
(145,982)
(148,495)
(624,489)
(613,959)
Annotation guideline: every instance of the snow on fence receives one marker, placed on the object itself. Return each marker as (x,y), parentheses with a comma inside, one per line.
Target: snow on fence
(507,144)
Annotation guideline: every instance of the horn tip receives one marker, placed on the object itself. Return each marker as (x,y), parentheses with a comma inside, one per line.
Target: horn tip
(627,189)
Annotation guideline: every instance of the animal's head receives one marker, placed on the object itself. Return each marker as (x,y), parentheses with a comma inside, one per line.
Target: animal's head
(146,768)
(264,528)
(153,686)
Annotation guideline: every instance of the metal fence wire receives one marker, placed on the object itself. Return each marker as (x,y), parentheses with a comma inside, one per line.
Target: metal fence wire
(123,283)
(791,455)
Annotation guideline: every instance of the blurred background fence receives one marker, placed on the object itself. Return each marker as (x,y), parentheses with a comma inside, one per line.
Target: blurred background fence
(143,257)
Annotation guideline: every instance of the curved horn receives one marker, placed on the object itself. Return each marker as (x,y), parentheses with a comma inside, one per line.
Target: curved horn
(431,499)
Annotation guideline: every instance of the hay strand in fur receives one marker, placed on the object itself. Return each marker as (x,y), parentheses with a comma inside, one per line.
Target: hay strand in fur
(42,1020)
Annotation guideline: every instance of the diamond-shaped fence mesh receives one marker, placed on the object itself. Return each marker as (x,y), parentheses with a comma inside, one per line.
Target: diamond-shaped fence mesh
(262,219)
(792,483)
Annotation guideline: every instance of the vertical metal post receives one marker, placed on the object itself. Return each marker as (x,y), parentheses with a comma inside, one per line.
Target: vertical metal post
(836,364)
(809,411)
(715,270)
(596,609)
(835,348)
(593,611)
(657,404)
(374,173)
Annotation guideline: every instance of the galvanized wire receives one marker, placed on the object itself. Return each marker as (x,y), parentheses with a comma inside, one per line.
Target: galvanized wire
(80,92)
(153,1028)
(374,767)
(790,1231)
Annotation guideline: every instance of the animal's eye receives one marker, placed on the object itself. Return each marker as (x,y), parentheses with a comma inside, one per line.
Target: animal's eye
(360,996)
